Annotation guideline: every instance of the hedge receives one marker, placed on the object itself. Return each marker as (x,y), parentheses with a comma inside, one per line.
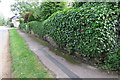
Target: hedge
(77,4)
(36,27)
(22,26)
(88,32)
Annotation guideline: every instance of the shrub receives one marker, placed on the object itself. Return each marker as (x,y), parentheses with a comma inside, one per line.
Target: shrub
(89,31)
(36,27)
(11,24)
(31,17)
(26,17)
(22,26)
(21,21)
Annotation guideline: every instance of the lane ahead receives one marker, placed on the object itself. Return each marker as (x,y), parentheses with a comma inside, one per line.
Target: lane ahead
(4,55)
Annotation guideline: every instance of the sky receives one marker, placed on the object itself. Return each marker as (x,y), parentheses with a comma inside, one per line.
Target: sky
(5,8)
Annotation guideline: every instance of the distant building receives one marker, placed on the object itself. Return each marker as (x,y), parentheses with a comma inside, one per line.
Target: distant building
(15,21)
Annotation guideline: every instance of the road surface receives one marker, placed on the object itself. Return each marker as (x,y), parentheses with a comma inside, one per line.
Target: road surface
(4,54)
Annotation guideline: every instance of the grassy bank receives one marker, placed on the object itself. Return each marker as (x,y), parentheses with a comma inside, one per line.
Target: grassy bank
(24,63)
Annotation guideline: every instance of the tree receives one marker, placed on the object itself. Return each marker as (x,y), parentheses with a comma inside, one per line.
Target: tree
(28,0)
(55,0)
(46,9)
(22,7)
(2,21)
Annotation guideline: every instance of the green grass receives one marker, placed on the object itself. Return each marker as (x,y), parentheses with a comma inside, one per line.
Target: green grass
(25,64)
(68,57)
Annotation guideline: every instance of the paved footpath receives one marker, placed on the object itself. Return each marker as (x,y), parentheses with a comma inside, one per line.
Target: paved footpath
(4,54)
(60,66)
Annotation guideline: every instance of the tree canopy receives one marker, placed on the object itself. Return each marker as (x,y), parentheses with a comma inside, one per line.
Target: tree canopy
(22,7)
(2,21)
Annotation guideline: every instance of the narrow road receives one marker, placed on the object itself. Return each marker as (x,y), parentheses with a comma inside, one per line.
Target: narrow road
(4,54)
(61,67)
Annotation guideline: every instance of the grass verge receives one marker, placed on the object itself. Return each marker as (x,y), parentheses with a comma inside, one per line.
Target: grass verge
(25,63)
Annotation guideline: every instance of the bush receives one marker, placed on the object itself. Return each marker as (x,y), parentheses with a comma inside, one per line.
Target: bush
(11,24)
(31,17)
(36,27)
(22,26)
(26,17)
(21,21)
(89,31)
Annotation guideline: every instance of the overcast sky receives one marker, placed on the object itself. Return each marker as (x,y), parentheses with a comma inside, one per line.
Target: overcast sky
(5,8)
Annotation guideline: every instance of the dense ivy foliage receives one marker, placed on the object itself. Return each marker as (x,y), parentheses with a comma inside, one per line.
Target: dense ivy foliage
(77,4)
(90,31)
